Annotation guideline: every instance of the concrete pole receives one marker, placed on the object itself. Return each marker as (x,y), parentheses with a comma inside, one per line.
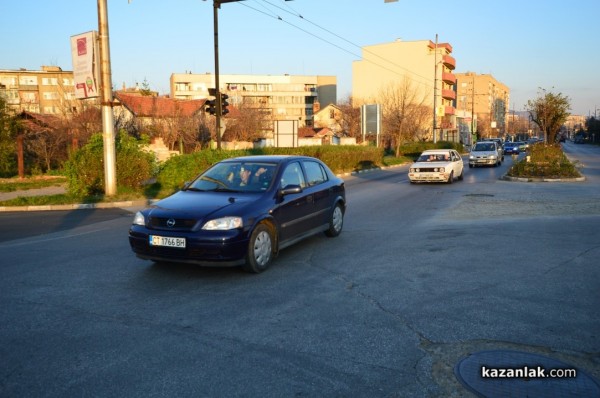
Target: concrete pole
(108,125)
(435,90)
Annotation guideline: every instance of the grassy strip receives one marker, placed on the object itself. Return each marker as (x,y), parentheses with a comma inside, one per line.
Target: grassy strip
(16,184)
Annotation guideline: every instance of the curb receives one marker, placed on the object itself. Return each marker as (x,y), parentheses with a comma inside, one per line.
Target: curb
(535,179)
(81,206)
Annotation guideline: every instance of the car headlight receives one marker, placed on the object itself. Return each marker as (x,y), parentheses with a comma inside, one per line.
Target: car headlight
(139,219)
(471,156)
(414,170)
(223,224)
(439,169)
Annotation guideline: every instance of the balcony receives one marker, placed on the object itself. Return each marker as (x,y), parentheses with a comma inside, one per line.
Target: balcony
(449,110)
(449,78)
(449,94)
(449,61)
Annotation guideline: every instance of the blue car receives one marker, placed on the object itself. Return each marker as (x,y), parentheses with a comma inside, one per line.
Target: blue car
(242,211)
(512,147)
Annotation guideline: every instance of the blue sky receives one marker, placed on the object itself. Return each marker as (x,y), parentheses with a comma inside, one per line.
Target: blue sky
(526,45)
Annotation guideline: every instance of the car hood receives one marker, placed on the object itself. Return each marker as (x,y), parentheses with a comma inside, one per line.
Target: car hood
(201,204)
(484,153)
(423,165)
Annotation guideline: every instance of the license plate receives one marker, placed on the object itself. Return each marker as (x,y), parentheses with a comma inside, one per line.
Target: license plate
(155,240)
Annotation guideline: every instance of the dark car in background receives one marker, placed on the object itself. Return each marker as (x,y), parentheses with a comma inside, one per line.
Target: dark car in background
(242,211)
(514,147)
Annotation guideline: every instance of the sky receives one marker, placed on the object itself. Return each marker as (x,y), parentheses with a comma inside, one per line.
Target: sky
(526,45)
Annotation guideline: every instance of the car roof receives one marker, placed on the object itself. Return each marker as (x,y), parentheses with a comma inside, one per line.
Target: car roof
(267,158)
(436,151)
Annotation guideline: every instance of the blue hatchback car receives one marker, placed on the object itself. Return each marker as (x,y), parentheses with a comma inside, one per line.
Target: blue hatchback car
(242,211)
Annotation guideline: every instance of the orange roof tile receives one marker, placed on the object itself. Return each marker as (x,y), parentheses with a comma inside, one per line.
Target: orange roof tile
(145,106)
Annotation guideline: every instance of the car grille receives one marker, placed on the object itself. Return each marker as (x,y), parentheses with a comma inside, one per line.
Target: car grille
(428,169)
(180,224)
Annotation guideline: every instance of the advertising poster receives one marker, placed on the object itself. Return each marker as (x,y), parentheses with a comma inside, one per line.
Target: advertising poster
(84,51)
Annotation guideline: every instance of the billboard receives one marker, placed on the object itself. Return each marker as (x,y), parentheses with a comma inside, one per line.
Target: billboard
(84,52)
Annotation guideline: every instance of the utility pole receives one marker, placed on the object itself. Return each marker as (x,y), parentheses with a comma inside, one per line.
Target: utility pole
(473,105)
(435,90)
(108,125)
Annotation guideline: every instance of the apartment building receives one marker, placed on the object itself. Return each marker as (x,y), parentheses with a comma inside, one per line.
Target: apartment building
(423,66)
(49,91)
(487,99)
(285,97)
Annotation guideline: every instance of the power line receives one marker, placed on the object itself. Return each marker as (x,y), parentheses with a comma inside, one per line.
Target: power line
(427,80)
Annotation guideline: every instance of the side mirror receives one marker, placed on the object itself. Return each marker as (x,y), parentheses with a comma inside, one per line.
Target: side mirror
(290,189)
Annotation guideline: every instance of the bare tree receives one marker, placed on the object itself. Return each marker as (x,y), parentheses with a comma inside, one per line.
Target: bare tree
(248,123)
(351,118)
(406,113)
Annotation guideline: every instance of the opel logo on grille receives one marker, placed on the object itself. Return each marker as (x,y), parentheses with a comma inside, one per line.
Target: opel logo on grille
(170,223)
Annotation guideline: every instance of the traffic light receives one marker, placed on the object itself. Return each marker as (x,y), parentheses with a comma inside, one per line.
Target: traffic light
(211,106)
(224,104)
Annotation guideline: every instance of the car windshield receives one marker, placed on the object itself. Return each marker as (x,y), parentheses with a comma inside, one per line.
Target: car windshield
(434,157)
(484,146)
(237,176)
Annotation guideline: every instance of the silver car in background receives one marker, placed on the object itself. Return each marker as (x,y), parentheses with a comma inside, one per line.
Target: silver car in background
(485,153)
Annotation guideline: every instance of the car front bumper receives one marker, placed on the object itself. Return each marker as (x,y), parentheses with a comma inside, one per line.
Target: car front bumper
(483,161)
(428,177)
(222,248)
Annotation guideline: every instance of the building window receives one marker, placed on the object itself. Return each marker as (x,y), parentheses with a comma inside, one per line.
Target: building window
(51,96)
(8,81)
(29,98)
(49,81)
(28,81)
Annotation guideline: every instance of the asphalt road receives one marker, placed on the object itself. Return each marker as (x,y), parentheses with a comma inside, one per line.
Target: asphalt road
(421,277)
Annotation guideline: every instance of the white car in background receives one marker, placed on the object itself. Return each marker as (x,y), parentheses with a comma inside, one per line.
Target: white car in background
(437,165)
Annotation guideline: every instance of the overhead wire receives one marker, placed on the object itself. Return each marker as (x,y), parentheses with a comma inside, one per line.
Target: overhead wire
(271,14)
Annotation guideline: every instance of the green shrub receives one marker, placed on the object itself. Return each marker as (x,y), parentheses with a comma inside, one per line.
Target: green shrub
(85,167)
(547,161)
(180,169)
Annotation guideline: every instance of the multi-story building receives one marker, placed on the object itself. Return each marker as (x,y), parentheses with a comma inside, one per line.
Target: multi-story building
(285,97)
(48,91)
(485,103)
(424,67)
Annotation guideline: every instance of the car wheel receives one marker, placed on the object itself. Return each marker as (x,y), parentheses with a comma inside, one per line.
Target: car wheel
(336,222)
(470,166)
(462,173)
(260,250)
(450,178)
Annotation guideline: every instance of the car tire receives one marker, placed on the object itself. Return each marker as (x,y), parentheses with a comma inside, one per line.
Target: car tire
(260,249)
(336,221)
(461,176)
(450,178)
(470,166)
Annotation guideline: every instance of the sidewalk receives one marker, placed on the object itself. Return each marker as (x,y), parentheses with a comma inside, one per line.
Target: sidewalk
(56,190)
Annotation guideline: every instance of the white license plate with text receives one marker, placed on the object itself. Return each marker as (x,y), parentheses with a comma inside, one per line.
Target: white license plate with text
(155,240)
